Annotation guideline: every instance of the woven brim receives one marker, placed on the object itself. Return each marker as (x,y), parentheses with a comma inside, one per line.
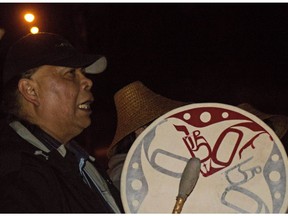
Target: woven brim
(136,106)
(279,123)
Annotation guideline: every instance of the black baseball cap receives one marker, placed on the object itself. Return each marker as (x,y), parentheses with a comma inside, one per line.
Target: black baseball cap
(34,50)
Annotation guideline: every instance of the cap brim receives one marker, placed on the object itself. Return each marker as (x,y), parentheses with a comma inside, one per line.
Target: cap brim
(98,66)
(93,64)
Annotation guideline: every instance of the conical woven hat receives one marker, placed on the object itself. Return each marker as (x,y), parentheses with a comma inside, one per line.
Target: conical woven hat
(136,106)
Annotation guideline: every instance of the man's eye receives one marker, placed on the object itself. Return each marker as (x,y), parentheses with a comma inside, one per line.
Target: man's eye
(71,72)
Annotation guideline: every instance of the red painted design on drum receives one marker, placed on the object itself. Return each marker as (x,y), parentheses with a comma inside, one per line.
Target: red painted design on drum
(203,117)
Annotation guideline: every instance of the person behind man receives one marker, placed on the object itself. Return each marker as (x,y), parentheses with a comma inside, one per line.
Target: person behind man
(46,98)
(137,107)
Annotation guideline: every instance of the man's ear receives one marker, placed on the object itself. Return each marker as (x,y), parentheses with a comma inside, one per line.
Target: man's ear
(27,88)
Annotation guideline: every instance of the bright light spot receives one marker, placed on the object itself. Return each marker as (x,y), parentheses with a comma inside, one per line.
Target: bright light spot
(29,17)
(34,30)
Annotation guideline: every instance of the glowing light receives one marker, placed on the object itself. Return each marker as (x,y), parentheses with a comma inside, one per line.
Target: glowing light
(34,30)
(29,17)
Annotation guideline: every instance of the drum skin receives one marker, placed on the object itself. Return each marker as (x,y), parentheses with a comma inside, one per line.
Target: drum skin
(243,163)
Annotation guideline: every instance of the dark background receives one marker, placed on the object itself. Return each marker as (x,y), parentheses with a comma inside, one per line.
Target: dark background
(194,52)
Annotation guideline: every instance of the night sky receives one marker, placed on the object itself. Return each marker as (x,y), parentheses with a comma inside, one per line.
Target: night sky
(194,52)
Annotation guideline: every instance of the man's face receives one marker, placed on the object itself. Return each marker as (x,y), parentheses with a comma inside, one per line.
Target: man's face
(64,99)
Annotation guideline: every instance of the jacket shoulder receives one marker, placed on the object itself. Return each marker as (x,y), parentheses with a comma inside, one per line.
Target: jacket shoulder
(12,149)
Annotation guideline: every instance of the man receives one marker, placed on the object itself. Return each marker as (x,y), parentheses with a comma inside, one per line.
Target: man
(47,100)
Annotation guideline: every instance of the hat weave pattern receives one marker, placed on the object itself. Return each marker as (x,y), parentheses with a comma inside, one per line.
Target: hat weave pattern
(136,106)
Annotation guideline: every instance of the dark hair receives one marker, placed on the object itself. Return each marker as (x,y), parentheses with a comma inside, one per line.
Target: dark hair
(10,104)
(124,144)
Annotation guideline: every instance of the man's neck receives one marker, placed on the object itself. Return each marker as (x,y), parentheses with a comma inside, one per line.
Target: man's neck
(49,141)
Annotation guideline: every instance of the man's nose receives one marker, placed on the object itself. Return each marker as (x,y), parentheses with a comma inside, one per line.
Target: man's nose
(86,82)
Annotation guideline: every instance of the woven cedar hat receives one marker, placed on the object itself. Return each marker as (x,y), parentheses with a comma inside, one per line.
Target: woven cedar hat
(279,123)
(136,106)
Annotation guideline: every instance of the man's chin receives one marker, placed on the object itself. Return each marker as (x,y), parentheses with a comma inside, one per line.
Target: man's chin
(84,123)
(87,123)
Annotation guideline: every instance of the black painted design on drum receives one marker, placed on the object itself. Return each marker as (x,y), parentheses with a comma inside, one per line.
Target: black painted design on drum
(237,189)
(137,194)
(275,165)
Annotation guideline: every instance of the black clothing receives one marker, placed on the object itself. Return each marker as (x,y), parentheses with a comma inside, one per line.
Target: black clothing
(44,183)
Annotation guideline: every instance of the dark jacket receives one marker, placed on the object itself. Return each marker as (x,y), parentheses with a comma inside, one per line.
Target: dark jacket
(31,183)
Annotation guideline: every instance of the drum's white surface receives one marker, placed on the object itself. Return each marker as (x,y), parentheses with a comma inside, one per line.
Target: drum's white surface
(243,163)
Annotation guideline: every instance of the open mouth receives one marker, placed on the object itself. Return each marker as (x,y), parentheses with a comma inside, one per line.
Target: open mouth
(85,106)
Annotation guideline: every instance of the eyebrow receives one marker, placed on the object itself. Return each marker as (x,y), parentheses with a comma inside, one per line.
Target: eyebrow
(61,68)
